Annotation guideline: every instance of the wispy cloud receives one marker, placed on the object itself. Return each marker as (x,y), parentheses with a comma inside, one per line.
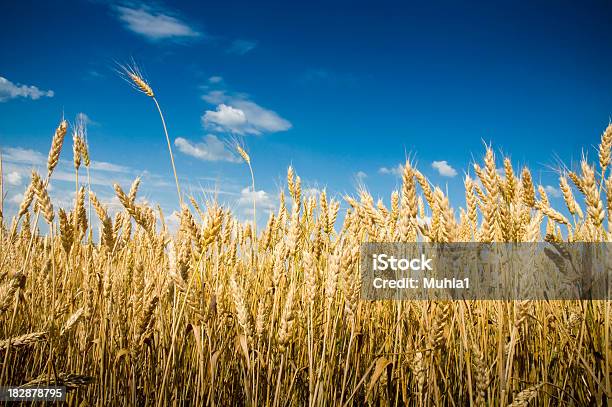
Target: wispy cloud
(10,90)
(14,178)
(215,97)
(444,169)
(241,47)
(16,199)
(265,203)
(397,170)
(236,113)
(19,155)
(155,23)
(23,156)
(18,163)
(109,167)
(311,192)
(360,175)
(85,119)
(552,191)
(215,79)
(210,149)
(92,73)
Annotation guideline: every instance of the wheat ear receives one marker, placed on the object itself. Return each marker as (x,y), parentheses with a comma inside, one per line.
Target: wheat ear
(133,73)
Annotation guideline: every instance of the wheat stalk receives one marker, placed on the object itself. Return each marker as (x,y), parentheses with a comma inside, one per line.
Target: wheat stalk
(56,146)
(133,73)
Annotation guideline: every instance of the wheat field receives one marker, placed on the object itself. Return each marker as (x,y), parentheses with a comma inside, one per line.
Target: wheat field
(123,311)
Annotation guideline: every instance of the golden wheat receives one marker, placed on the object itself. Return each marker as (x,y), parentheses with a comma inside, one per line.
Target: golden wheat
(218,313)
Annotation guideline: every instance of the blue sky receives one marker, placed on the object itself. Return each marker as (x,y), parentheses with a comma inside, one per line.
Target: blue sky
(340,90)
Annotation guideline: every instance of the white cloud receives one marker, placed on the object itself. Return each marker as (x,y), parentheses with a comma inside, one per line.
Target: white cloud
(215,79)
(552,191)
(14,178)
(215,97)
(10,90)
(173,221)
(238,115)
(308,192)
(154,23)
(24,156)
(360,175)
(20,155)
(261,119)
(85,119)
(444,169)
(241,47)
(19,162)
(22,161)
(109,167)
(225,118)
(211,149)
(16,199)
(263,200)
(398,170)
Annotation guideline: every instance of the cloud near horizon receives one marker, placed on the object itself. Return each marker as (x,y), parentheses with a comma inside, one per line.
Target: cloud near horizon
(19,162)
(265,203)
(10,90)
(19,155)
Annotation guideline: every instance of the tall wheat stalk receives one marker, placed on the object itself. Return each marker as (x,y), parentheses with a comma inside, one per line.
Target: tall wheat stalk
(247,159)
(132,72)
